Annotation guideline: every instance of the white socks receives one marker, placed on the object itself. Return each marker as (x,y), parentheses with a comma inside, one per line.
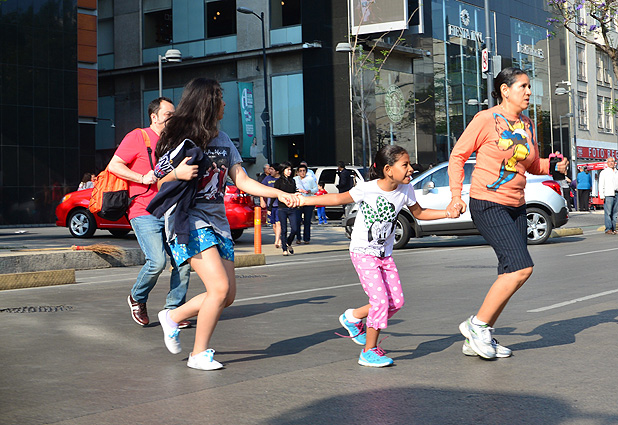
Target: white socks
(350,317)
(477,322)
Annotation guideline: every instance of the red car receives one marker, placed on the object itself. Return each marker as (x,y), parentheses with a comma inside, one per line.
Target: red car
(72,212)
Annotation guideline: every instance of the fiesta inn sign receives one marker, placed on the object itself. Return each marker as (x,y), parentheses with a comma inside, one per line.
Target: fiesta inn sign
(466,33)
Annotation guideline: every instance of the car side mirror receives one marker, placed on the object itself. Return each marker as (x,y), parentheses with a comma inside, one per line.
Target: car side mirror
(428,186)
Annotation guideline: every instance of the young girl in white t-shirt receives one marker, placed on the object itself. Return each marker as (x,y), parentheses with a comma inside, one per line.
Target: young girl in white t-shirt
(380,199)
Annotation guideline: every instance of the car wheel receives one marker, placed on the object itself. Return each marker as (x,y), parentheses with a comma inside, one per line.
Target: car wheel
(119,232)
(402,232)
(81,224)
(236,233)
(539,226)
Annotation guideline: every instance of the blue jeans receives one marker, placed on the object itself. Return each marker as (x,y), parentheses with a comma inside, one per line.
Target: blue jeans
(286,213)
(304,216)
(610,207)
(150,232)
(321,215)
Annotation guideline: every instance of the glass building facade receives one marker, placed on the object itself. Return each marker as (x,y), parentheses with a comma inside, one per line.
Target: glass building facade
(39,148)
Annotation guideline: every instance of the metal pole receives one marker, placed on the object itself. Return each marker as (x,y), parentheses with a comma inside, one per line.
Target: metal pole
(160,78)
(364,119)
(269,146)
(490,62)
(561,147)
(574,145)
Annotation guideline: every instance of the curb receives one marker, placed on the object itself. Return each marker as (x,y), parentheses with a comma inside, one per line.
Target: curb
(556,233)
(36,279)
(249,260)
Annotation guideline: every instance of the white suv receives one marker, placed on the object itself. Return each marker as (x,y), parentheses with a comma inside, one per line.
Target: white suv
(328,176)
(545,206)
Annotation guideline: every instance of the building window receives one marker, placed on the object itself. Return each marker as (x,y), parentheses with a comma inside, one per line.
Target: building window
(284,13)
(582,110)
(600,114)
(220,18)
(581,62)
(603,68)
(604,114)
(158,28)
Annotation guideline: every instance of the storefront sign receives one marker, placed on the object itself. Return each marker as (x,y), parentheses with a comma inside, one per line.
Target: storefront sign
(584,152)
(466,33)
(245,92)
(527,49)
(395,104)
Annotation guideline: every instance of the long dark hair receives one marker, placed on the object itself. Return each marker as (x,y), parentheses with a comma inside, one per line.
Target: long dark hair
(196,117)
(388,155)
(507,76)
(283,166)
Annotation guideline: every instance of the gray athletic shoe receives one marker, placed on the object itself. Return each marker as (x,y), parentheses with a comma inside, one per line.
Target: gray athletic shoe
(480,338)
(501,350)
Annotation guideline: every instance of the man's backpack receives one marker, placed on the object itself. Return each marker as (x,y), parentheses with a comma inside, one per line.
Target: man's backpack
(110,198)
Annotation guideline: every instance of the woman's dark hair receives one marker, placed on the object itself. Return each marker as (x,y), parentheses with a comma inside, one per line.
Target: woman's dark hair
(196,117)
(388,155)
(283,166)
(507,76)
(86,178)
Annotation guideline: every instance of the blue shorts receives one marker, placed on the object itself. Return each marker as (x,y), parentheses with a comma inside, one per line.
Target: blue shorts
(200,240)
(505,228)
(274,215)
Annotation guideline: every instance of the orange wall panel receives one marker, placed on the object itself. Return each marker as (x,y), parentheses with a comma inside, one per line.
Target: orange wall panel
(87,4)
(87,108)
(86,22)
(87,54)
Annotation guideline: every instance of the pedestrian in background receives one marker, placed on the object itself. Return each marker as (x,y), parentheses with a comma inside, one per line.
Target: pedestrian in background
(321,209)
(307,186)
(505,146)
(271,204)
(380,199)
(608,185)
(197,228)
(132,162)
(86,182)
(287,184)
(584,185)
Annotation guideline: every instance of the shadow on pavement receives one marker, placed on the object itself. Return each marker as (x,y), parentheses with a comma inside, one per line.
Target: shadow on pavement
(240,310)
(560,332)
(419,405)
(286,347)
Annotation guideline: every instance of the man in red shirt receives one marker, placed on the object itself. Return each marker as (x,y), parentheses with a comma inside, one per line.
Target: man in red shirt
(131,162)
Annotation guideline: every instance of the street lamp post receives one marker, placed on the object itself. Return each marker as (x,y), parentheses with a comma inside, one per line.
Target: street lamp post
(561,91)
(266,114)
(568,115)
(172,55)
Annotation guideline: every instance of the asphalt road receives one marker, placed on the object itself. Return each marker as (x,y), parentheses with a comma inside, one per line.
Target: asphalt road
(81,359)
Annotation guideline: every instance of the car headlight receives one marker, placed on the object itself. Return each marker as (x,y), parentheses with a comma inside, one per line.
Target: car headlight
(65,198)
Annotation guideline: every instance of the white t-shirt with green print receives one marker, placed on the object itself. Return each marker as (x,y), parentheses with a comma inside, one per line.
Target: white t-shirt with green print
(374,226)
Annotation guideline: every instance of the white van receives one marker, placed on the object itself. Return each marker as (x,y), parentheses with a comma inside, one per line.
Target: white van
(328,176)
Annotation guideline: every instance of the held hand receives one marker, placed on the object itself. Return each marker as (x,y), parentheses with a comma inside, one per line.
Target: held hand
(149,178)
(185,171)
(562,166)
(288,199)
(456,207)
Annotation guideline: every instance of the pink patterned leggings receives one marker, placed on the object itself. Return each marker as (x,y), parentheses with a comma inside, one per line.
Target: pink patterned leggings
(380,280)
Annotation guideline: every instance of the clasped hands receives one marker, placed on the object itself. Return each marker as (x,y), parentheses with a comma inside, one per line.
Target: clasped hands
(456,207)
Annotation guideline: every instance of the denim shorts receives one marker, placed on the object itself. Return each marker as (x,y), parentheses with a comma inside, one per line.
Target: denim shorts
(505,229)
(200,240)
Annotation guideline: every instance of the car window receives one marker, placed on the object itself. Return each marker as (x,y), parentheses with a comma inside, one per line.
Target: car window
(468,169)
(439,179)
(328,176)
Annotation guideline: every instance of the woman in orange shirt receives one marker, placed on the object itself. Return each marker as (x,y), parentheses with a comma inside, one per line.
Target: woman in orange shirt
(505,144)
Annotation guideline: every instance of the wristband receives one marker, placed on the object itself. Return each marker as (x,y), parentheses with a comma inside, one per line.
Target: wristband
(142,179)
(175,175)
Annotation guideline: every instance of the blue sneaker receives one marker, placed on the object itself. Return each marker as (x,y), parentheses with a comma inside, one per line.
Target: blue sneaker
(376,357)
(356,330)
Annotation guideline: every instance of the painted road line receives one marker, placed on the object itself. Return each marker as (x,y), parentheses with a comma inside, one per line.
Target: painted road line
(283,294)
(565,303)
(592,252)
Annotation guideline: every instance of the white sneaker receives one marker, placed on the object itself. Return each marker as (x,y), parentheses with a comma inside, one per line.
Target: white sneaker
(501,350)
(479,337)
(170,334)
(204,361)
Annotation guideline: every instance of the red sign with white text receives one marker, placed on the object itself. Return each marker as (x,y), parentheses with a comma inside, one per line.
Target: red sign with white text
(584,152)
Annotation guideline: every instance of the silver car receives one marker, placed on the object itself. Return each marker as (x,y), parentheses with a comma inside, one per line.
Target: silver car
(545,206)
